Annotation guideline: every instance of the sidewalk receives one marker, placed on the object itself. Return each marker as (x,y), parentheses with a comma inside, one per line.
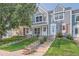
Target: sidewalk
(39,51)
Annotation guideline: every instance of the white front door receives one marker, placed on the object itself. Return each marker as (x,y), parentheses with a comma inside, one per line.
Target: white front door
(53,29)
(44,30)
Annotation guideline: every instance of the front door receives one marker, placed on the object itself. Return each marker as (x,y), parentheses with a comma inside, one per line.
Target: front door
(53,29)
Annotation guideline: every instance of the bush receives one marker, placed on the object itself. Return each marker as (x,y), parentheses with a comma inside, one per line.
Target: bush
(68,36)
(59,35)
(44,39)
(12,39)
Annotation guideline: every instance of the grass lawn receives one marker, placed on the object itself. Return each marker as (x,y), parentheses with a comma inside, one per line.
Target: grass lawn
(20,45)
(63,48)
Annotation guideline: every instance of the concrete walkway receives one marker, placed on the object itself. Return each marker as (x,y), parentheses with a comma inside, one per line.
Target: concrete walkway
(39,51)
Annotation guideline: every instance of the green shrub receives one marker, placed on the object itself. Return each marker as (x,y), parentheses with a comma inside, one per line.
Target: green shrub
(44,39)
(59,35)
(12,39)
(68,36)
(41,41)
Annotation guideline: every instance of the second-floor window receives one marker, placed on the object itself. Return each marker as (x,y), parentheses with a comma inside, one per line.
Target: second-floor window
(76,30)
(77,19)
(61,16)
(38,18)
(58,16)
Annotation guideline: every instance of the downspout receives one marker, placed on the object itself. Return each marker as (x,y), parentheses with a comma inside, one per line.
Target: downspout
(71,22)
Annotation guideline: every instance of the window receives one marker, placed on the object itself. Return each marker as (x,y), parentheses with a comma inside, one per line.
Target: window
(63,27)
(77,18)
(44,29)
(76,30)
(58,16)
(37,30)
(38,18)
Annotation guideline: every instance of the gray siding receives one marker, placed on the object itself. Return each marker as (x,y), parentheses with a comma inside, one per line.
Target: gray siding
(67,17)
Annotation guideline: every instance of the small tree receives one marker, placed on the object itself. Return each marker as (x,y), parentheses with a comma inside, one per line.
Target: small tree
(69,37)
(59,35)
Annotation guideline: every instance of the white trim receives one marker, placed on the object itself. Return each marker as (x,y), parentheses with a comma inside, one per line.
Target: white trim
(39,25)
(61,12)
(71,22)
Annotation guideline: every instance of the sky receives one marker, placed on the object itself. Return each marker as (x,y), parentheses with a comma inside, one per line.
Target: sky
(51,6)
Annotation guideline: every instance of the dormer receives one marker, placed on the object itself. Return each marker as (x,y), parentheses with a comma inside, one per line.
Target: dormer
(59,12)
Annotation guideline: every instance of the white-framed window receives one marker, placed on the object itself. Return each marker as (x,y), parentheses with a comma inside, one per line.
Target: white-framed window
(77,18)
(58,16)
(61,16)
(76,31)
(37,30)
(39,18)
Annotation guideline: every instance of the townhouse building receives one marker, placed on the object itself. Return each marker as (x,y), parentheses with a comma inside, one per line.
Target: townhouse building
(61,19)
